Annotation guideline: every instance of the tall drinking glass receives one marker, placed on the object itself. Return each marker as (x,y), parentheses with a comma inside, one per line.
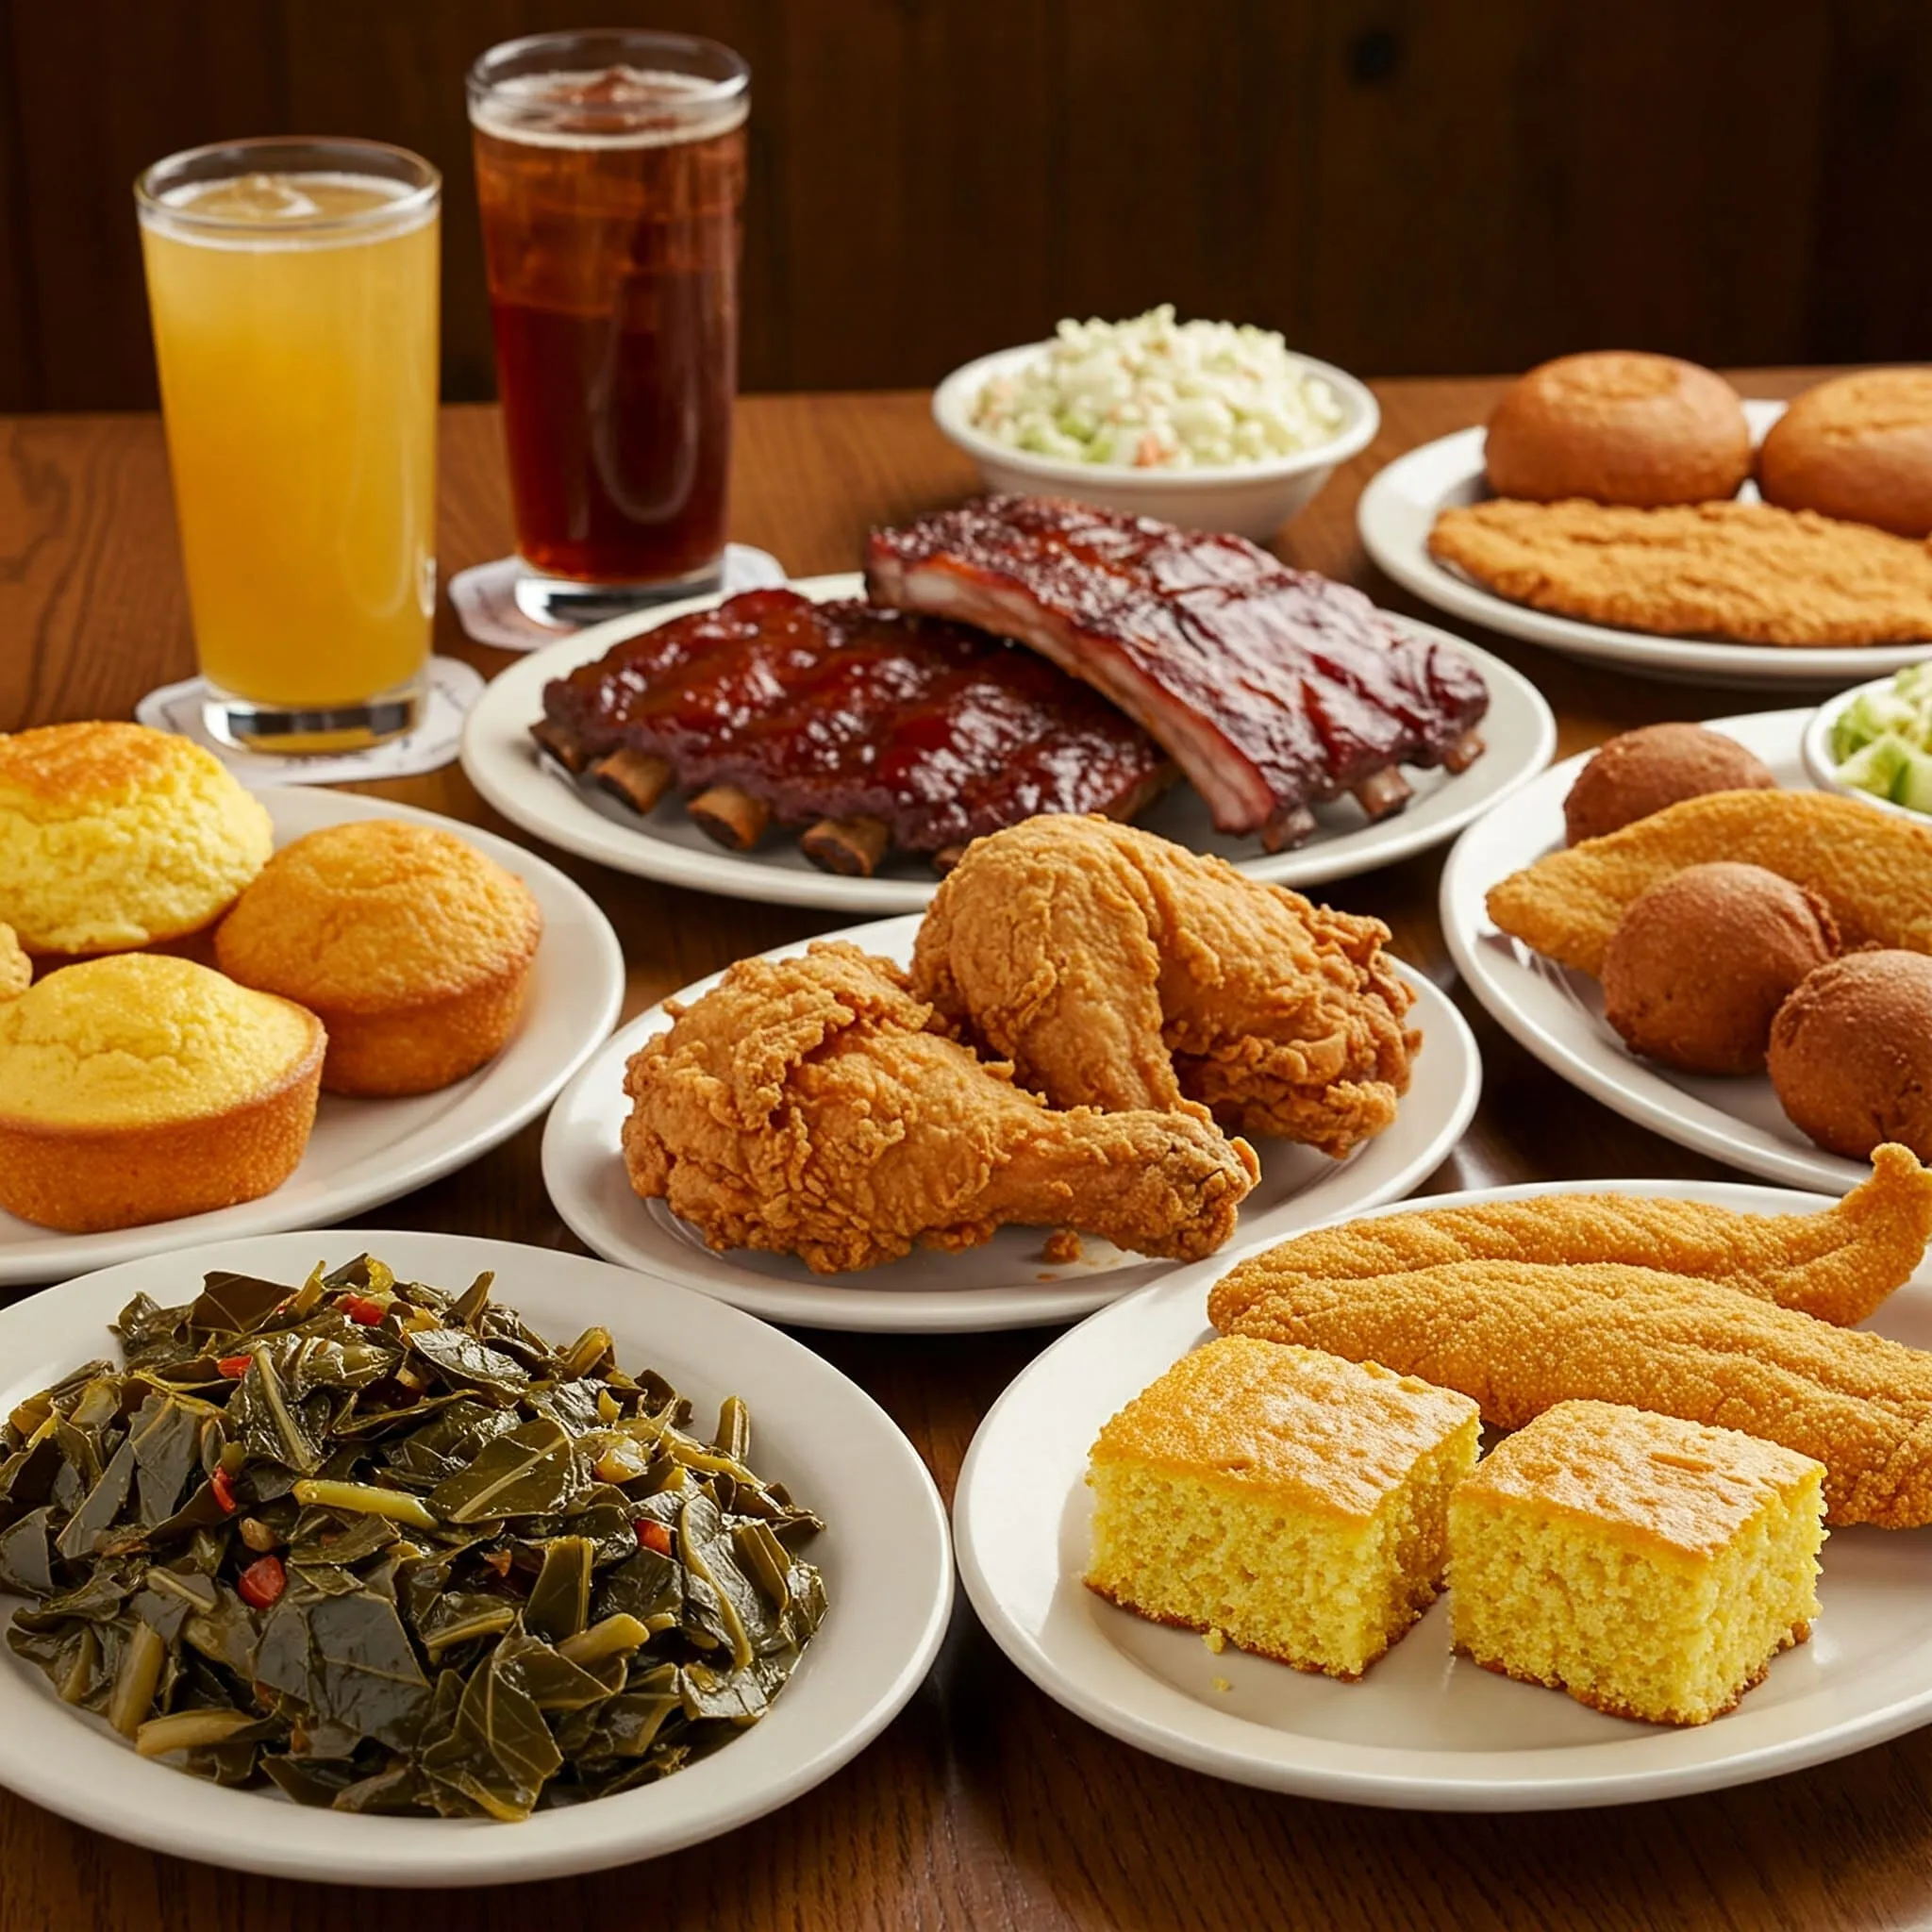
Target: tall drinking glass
(610,174)
(292,287)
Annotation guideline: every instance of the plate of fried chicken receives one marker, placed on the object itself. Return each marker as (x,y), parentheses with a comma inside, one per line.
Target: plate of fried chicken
(1097,1057)
(839,742)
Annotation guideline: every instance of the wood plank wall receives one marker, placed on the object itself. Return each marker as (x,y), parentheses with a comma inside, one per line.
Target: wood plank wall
(1404,186)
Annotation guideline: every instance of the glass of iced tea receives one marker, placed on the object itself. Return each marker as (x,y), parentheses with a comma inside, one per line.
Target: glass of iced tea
(610,174)
(292,288)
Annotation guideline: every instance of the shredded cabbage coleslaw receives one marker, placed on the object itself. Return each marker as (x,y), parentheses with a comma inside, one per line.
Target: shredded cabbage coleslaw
(1157,393)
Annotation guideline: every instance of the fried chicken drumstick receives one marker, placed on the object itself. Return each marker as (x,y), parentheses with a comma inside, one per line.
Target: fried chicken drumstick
(1116,970)
(812,1105)
(1838,1264)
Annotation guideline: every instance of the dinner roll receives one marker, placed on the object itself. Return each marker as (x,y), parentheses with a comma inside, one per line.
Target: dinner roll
(1858,447)
(1618,426)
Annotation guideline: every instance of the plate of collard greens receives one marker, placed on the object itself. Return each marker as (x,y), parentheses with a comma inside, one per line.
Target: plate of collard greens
(417,1560)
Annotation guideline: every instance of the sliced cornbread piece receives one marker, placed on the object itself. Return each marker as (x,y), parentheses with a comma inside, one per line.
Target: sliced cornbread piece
(114,836)
(16,969)
(1293,1501)
(1649,1567)
(139,1088)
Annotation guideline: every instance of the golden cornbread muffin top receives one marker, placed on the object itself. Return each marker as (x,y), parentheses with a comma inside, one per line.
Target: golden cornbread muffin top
(377,914)
(113,835)
(142,1038)
(1324,1434)
(1644,1478)
(16,969)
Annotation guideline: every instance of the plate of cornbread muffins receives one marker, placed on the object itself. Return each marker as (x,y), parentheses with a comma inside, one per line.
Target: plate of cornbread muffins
(997,1113)
(1633,509)
(226,1012)
(1683,929)
(1513,1500)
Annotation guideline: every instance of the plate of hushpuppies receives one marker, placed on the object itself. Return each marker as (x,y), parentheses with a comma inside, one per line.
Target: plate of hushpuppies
(228,1012)
(1633,509)
(1520,1499)
(1680,928)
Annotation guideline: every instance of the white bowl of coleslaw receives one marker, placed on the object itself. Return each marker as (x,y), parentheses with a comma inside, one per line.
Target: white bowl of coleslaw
(1203,424)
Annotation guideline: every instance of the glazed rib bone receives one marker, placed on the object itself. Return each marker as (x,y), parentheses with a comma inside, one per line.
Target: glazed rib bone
(1272,689)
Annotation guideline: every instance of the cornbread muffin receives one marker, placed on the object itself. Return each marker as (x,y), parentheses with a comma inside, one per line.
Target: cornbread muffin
(139,1088)
(16,969)
(1649,1567)
(1851,1054)
(114,836)
(1637,773)
(1700,964)
(411,946)
(1292,1502)
(1858,447)
(1617,427)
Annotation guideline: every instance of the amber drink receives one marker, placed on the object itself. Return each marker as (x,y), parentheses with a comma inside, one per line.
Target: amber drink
(610,176)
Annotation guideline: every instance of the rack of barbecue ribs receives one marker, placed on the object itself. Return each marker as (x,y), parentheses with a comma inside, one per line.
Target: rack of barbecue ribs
(869,728)
(1274,689)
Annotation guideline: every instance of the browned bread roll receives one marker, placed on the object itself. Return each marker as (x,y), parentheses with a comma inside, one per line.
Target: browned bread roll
(1858,447)
(1618,426)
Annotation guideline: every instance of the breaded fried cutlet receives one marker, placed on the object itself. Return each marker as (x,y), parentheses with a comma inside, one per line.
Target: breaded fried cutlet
(1873,869)
(1838,1264)
(1744,572)
(1519,1337)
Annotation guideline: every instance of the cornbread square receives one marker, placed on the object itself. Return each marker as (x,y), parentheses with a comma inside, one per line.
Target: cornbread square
(1649,1567)
(1296,1502)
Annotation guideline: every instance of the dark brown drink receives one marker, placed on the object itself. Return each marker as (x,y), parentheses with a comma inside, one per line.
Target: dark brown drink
(611,198)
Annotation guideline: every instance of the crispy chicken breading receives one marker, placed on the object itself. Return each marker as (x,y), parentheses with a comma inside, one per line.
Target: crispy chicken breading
(1873,869)
(1747,572)
(1117,969)
(1838,1264)
(813,1107)
(1518,1338)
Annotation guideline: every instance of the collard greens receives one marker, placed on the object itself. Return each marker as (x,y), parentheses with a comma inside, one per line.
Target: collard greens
(390,1550)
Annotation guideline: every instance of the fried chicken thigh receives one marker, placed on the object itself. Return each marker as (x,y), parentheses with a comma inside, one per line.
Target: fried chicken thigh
(814,1107)
(1117,969)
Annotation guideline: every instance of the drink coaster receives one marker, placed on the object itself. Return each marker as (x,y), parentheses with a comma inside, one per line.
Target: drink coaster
(484,598)
(454,686)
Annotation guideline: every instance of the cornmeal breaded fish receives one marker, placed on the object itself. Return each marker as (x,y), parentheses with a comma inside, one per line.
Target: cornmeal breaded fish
(1747,572)
(1838,1265)
(1519,1337)
(1873,869)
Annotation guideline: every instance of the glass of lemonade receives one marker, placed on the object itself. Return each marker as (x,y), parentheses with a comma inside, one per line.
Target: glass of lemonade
(610,174)
(292,287)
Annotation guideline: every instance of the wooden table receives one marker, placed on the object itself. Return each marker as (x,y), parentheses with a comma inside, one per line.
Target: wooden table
(985,1805)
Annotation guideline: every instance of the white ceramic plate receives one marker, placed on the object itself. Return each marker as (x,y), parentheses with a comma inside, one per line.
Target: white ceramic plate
(1558,1015)
(1422,1730)
(1822,767)
(884,1554)
(1399,508)
(366,1151)
(504,765)
(1008,1283)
